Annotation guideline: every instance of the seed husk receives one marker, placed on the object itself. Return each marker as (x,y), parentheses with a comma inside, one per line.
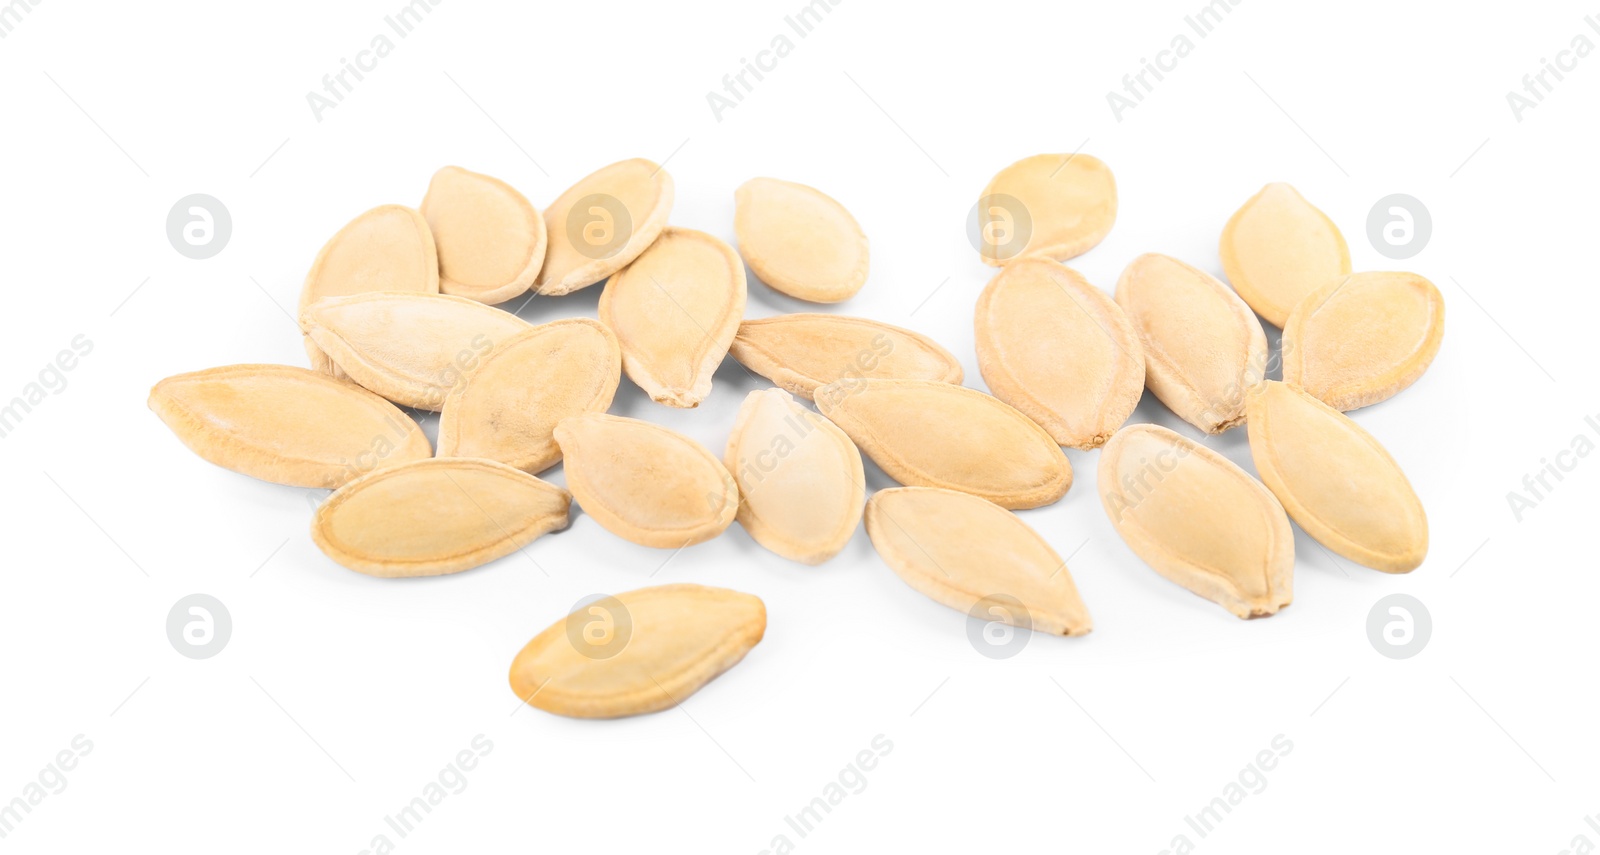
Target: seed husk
(802,352)
(1068,203)
(1363,340)
(799,240)
(491,242)
(1277,249)
(602,223)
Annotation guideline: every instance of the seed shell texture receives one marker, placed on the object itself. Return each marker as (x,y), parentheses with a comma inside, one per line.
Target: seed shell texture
(675,311)
(926,434)
(1363,340)
(1198,519)
(965,552)
(801,483)
(1059,350)
(638,652)
(802,352)
(410,348)
(436,516)
(491,241)
(1278,248)
(645,483)
(286,425)
(799,240)
(507,408)
(602,223)
(1203,347)
(1055,205)
(1335,480)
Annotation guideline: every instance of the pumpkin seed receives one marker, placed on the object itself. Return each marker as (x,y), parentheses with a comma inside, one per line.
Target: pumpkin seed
(802,352)
(1056,205)
(800,478)
(1059,350)
(638,652)
(602,223)
(491,241)
(1203,347)
(675,311)
(799,240)
(926,434)
(1336,480)
(1277,248)
(286,425)
(1362,340)
(1198,519)
(645,483)
(507,408)
(438,516)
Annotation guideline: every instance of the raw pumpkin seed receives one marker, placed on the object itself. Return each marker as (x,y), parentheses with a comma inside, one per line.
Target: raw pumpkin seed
(799,240)
(1277,248)
(602,223)
(491,241)
(1056,205)
(1362,340)
(802,352)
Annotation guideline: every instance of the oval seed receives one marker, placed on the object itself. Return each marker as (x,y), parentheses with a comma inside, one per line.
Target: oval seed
(638,652)
(1203,347)
(1198,519)
(645,483)
(286,425)
(1361,341)
(926,434)
(507,408)
(1056,205)
(491,241)
(799,240)
(675,311)
(410,348)
(802,352)
(1059,350)
(801,484)
(436,516)
(602,223)
(1336,480)
(962,551)
(389,248)
(1277,248)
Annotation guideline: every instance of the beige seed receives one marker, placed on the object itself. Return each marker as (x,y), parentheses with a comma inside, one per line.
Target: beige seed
(1056,205)
(975,557)
(1336,480)
(1362,340)
(801,484)
(1059,350)
(926,434)
(1203,347)
(802,352)
(638,652)
(507,408)
(1198,519)
(799,240)
(1278,248)
(602,223)
(675,311)
(286,425)
(436,516)
(645,483)
(491,241)
(388,248)
(409,348)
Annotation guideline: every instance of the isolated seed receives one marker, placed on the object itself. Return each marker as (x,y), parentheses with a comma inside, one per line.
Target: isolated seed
(645,483)
(491,241)
(1362,340)
(1067,204)
(1198,519)
(436,516)
(602,223)
(960,550)
(507,408)
(388,248)
(409,348)
(926,434)
(801,484)
(286,425)
(802,352)
(1336,480)
(799,240)
(1059,350)
(638,652)
(1278,248)
(1203,347)
(675,311)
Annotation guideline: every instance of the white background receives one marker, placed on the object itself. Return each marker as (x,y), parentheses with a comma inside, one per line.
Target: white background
(340,697)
